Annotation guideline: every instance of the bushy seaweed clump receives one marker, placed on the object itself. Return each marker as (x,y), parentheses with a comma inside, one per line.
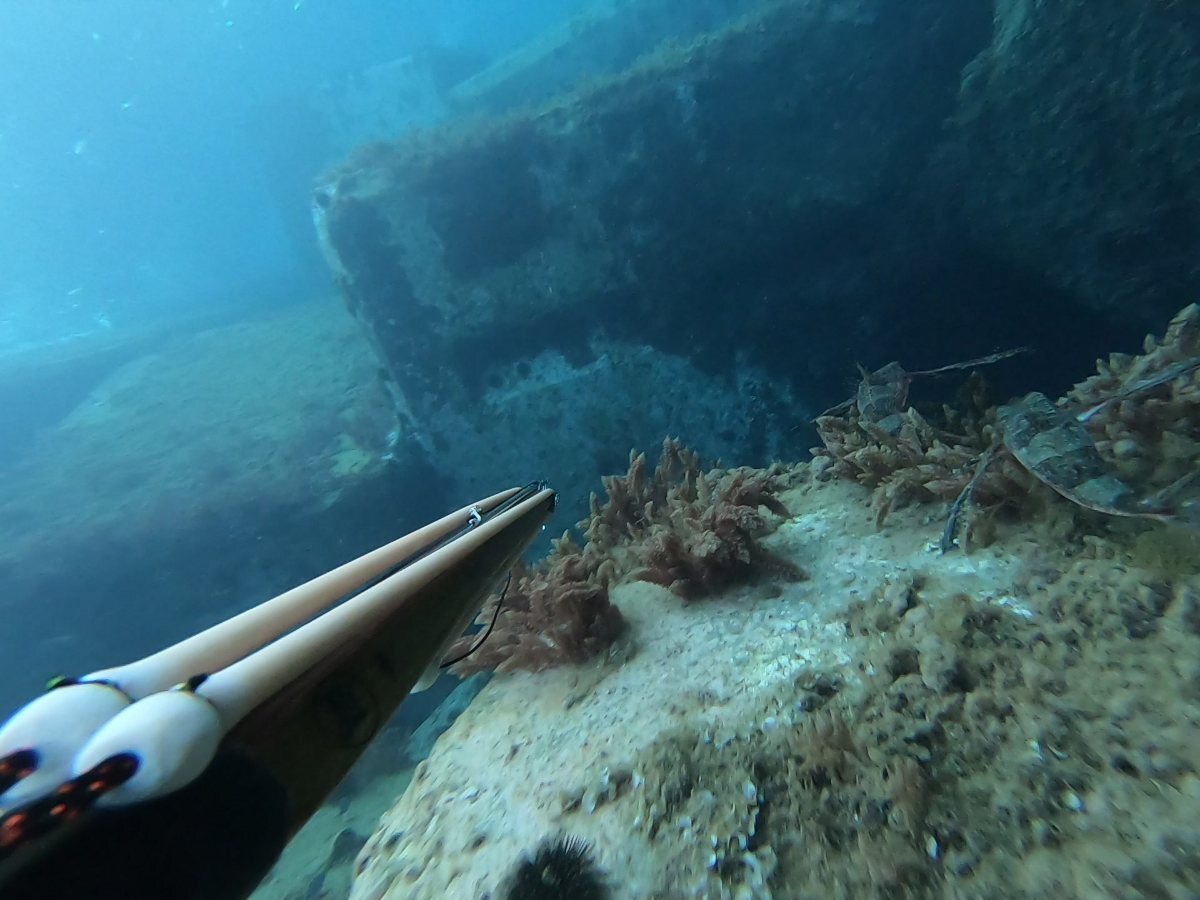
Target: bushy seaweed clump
(690,531)
(914,460)
(1148,431)
(553,614)
(1142,413)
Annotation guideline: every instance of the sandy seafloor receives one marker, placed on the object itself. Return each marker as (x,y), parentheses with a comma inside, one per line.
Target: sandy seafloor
(1020,720)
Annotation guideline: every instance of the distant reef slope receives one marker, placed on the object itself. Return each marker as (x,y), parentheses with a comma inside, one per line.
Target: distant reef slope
(193,481)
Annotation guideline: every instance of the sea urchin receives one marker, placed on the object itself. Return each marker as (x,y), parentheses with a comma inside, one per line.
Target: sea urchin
(562,869)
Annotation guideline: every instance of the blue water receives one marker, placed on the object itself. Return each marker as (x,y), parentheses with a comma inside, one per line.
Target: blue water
(153,160)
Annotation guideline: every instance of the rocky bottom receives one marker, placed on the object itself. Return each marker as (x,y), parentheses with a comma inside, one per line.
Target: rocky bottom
(1018,721)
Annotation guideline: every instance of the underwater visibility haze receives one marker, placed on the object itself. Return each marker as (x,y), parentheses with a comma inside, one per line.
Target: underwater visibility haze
(600,448)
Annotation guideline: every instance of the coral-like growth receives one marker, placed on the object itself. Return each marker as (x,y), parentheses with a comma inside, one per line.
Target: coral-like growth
(635,501)
(1144,411)
(919,462)
(1123,442)
(712,541)
(690,531)
(554,613)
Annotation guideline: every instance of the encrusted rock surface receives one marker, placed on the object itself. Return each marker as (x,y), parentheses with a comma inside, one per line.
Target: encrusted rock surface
(1080,136)
(1018,721)
(604,37)
(631,259)
(564,420)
